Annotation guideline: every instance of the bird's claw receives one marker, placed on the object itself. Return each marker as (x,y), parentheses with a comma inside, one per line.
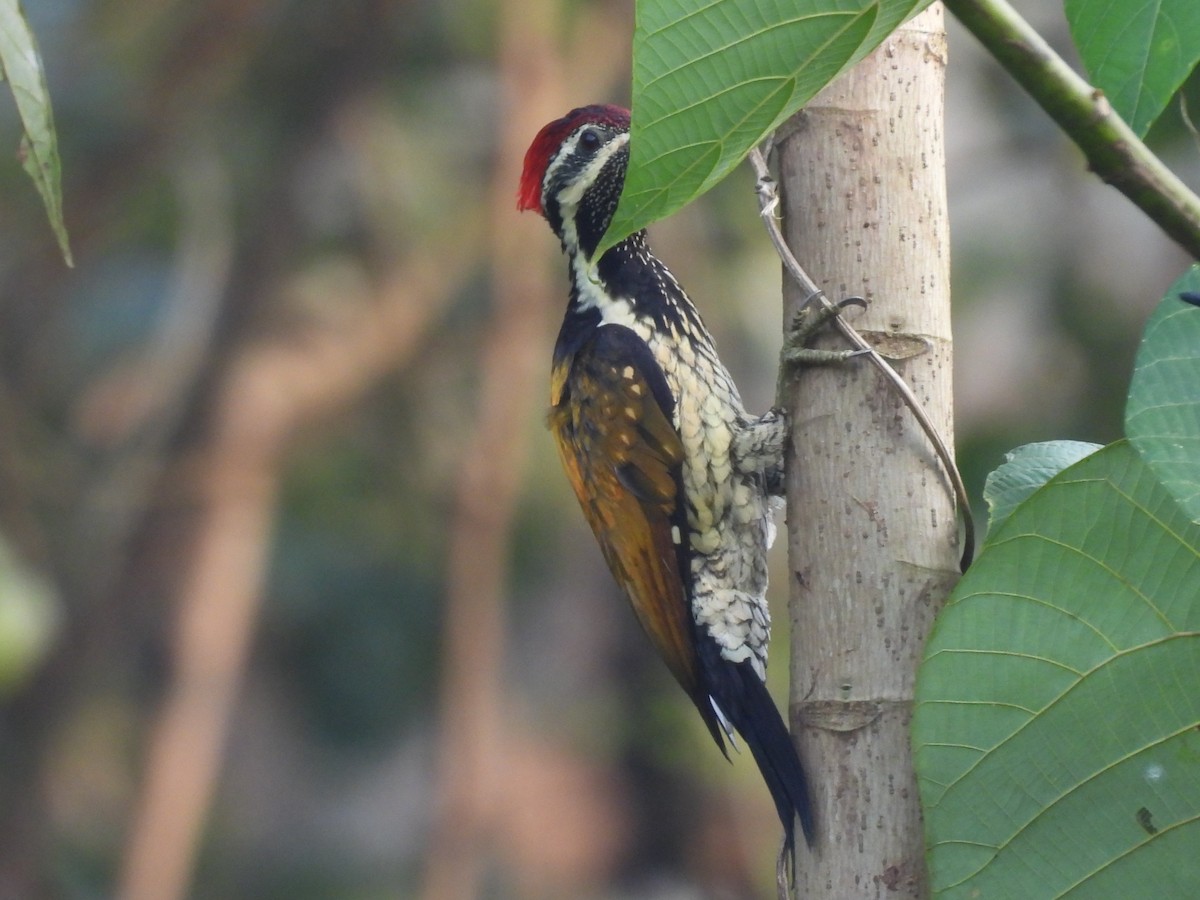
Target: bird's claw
(806,323)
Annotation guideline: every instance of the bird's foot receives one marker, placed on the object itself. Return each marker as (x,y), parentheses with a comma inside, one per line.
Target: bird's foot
(806,323)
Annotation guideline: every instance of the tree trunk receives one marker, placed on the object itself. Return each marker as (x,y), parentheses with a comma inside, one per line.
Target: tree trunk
(872,528)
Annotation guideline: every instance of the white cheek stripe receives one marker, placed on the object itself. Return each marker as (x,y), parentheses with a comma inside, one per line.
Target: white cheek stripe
(574,192)
(568,200)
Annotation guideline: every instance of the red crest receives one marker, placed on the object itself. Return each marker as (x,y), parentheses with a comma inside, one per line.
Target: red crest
(550,138)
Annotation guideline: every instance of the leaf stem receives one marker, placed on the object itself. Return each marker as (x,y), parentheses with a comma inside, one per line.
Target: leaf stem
(1114,152)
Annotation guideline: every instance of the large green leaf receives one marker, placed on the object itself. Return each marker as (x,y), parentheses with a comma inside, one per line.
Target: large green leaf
(22,65)
(1024,471)
(1162,418)
(1137,52)
(712,78)
(1057,725)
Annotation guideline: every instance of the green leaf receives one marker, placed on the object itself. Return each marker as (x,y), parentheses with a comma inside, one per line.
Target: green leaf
(1137,52)
(22,66)
(712,79)
(1162,418)
(1025,470)
(1057,725)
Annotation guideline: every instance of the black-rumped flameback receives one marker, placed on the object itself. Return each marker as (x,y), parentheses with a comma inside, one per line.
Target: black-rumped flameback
(678,482)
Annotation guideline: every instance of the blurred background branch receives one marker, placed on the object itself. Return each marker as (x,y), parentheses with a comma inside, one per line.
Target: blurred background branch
(274,389)
(1114,151)
(472,713)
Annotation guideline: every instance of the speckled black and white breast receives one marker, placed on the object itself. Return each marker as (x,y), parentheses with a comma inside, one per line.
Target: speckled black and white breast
(729,457)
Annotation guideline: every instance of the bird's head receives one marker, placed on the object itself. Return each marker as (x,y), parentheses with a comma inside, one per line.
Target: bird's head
(574,172)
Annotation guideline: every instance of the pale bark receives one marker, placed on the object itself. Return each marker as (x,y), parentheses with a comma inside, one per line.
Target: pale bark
(872,530)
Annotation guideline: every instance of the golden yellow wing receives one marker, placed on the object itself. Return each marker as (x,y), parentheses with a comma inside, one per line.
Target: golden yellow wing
(611,420)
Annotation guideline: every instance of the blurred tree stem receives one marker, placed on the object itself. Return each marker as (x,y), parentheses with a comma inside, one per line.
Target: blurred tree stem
(218,606)
(871,520)
(273,389)
(1114,152)
(473,697)
(115,506)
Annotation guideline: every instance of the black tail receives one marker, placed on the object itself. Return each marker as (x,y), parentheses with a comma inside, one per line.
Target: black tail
(746,703)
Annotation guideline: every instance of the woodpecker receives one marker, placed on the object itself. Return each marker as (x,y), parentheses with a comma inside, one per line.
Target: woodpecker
(677,481)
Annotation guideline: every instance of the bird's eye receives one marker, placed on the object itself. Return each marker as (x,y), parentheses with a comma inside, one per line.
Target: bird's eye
(589,139)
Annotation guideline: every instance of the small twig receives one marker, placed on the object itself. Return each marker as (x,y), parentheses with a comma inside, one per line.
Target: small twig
(1113,150)
(1186,115)
(768,200)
